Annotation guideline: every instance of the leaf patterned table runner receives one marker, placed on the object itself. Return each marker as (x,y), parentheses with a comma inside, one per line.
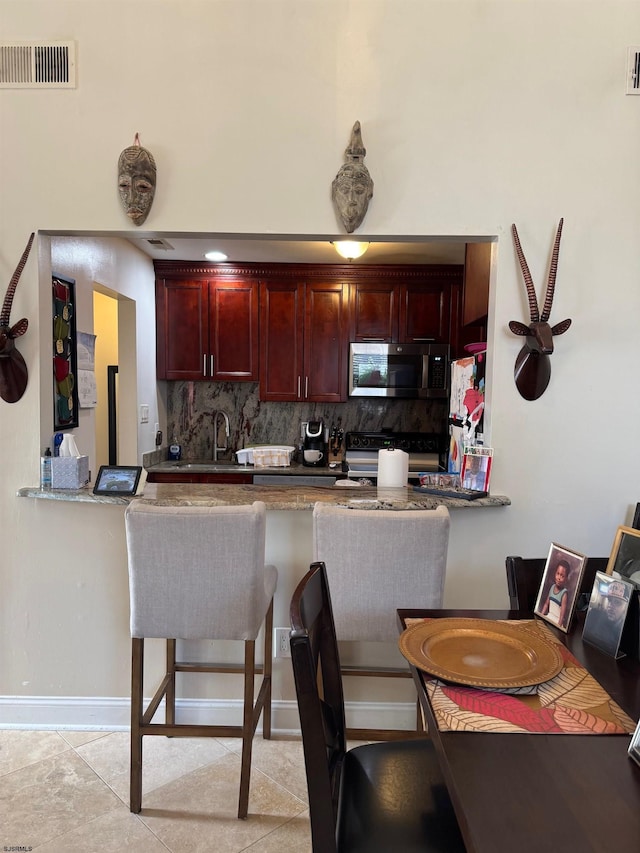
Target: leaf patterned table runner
(570,703)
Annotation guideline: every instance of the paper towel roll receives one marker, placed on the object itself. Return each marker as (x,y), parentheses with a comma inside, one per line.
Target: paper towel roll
(393,468)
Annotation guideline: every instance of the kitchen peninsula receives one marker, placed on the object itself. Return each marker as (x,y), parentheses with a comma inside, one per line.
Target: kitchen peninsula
(288,546)
(284,498)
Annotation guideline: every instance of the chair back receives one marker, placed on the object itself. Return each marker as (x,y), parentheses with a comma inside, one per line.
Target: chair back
(198,572)
(377,561)
(524,576)
(314,656)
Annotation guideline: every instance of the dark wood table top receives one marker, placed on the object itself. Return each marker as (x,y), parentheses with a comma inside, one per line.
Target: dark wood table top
(536,792)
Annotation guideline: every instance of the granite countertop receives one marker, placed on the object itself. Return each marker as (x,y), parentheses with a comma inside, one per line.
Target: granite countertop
(289,497)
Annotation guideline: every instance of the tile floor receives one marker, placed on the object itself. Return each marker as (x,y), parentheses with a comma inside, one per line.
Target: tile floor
(67,792)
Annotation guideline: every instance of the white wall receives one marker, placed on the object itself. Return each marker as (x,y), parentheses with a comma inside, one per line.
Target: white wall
(474,114)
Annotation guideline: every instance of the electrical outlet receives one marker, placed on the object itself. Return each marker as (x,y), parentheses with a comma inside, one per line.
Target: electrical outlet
(281,643)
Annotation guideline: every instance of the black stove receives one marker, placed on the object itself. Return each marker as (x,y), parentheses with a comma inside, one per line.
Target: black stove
(427,451)
(410,442)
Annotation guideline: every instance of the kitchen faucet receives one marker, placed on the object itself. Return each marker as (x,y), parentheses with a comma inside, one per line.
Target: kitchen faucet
(225,419)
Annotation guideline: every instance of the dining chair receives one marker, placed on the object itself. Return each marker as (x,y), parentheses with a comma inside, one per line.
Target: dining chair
(524,576)
(376,562)
(386,796)
(198,573)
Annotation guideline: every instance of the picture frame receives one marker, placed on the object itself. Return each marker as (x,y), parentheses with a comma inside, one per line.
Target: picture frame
(607,613)
(65,353)
(624,561)
(117,480)
(634,746)
(475,473)
(556,602)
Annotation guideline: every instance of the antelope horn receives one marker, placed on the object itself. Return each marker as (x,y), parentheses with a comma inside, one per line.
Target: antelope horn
(8,299)
(531,291)
(551,283)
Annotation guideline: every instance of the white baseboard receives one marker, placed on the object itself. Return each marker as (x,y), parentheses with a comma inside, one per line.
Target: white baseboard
(112,714)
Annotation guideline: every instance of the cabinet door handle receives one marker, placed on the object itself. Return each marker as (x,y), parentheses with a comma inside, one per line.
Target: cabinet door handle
(372,340)
(298,387)
(423,339)
(211,357)
(306,387)
(204,364)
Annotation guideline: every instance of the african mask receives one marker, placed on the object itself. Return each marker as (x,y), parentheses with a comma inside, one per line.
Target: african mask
(136,181)
(352,187)
(533,365)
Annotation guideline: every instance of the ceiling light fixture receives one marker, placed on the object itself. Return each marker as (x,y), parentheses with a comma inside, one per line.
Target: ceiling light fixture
(350,249)
(215,256)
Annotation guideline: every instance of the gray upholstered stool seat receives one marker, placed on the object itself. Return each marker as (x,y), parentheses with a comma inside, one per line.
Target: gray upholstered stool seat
(376,562)
(198,573)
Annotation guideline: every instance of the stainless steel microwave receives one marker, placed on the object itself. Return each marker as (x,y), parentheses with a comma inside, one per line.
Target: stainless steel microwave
(398,370)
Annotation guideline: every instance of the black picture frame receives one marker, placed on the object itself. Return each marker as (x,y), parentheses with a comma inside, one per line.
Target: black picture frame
(603,625)
(65,353)
(574,564)
(117,480)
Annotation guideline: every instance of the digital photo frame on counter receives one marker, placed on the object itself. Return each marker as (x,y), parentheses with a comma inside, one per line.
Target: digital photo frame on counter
(117,480)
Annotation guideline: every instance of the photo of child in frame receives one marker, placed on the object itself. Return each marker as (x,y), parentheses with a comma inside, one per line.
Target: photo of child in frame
(559,587)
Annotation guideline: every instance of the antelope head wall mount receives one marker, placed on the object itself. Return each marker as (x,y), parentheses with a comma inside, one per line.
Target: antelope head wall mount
(533,365)
(13,369)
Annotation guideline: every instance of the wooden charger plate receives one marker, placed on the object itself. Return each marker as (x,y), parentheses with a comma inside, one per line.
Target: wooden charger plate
(480,652)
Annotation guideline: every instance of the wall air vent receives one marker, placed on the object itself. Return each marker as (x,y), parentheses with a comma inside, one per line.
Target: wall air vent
(38,65)
(633,71)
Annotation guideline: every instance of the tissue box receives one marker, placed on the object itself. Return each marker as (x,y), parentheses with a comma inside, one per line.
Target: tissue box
(69,472)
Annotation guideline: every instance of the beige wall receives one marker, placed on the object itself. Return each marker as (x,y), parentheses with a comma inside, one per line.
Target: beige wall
(105,328)
(475,115)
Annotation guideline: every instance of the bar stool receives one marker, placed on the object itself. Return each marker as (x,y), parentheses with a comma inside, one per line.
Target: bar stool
(198,573)
(377,561)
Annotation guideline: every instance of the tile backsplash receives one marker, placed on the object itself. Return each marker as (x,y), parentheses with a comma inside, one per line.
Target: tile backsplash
(191,405)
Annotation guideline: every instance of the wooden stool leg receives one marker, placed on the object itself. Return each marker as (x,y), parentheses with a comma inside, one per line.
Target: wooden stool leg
(170,695)
(268,667)
(137,671)
(247,727)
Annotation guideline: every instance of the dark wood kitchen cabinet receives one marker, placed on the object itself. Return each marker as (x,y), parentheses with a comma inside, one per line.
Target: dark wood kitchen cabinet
(206,326)
(403,304)
(227,479)
(303,340)
(477,271)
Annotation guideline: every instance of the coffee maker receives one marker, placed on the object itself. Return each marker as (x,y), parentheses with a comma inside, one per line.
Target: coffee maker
(314,448)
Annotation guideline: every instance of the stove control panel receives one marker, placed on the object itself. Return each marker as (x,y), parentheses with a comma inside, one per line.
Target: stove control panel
(410,442)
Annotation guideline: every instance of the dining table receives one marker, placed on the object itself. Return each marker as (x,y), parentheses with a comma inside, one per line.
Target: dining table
(527,790)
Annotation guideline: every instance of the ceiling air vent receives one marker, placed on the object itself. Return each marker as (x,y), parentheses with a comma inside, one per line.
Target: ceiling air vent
(38,65)
(633,71)
(160,244)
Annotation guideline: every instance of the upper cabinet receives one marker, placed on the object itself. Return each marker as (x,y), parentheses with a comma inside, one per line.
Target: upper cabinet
(206,324)
(404,304)
(289,325)
(477,268)
(303,340)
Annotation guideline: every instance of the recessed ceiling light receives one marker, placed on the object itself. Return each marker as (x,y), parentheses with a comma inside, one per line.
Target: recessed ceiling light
(215,256)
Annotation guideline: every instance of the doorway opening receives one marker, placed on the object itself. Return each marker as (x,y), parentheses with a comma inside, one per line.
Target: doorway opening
(105,328)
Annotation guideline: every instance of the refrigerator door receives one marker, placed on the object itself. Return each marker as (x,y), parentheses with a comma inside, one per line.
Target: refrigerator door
(466,406)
